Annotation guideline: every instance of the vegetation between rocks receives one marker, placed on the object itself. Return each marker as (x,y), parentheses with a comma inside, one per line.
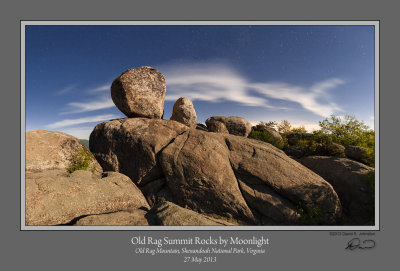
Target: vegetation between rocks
(266,137)
(82,161)
(346,131)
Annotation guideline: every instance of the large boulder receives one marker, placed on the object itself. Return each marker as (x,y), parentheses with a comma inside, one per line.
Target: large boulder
(281,181)
(356,153)
(47,150)
(169,214)
(54,197)
(351,181)
(214,174)
(140,92)
(199,174)
(131,146)
(183,112)
(235,125)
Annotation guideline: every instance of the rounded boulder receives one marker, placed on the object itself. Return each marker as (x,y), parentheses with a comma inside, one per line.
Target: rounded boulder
(140,92)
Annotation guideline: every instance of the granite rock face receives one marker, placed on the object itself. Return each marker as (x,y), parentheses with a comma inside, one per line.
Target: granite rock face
(350,180)
(46,150)
(132,146)
(140,92)
(169,214)
(183,112)
(219,175)
(199,174)
(274,175)
(235,125)
(55,197)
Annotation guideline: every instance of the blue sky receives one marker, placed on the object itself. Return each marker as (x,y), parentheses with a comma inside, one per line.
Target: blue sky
(298,73)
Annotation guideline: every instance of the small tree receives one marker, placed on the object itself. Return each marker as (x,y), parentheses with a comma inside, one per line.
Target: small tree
(284,127)
(348,131)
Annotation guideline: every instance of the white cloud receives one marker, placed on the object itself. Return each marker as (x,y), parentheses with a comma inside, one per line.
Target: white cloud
(65,90)
(101,88)
(102,102)
(219,82)
(211,83)
(71,122)
(310,127)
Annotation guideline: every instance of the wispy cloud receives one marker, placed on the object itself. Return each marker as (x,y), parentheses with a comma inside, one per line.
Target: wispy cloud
(105,87)
(101,102)
(72,122)
(65,90)
(211,83)
(216,82)
(219,82)
(314,99)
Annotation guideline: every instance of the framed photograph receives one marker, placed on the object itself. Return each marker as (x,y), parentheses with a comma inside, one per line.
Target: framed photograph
(227,125)
(158,135)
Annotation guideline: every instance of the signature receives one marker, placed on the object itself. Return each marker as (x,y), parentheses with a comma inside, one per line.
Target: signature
(356,243)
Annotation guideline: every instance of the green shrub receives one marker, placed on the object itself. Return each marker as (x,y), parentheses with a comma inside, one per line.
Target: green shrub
(82,160)
(266,137)
(314,216)
(348,131)
(345,131)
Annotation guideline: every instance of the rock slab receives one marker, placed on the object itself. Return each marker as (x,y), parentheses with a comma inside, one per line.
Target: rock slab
(170,214)
(349,179)
(46,150)
(54,197)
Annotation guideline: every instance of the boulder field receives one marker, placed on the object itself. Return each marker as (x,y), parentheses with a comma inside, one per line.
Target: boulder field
(215,174)
(144,170)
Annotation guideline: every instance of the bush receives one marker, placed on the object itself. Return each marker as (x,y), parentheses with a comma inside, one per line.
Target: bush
(82,160)
(345,131)
(348,131)
(266,137)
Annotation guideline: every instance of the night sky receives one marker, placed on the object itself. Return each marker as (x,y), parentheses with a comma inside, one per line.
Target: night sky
(299,73)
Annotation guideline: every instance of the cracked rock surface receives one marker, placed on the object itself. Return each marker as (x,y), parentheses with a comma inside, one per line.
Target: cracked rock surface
(212,173)
(54,197)
(131,146)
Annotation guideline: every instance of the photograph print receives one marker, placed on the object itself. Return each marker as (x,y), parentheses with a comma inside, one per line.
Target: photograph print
(206,125)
